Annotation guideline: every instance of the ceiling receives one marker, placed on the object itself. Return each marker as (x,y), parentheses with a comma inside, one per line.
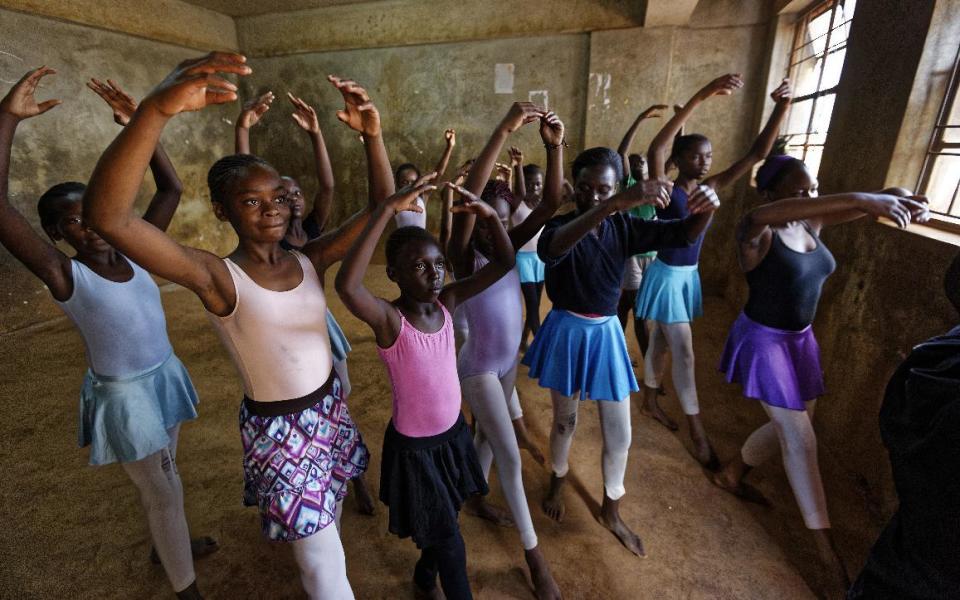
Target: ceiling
(246,8)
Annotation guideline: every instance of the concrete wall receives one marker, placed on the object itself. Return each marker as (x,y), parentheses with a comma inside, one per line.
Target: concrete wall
(64,144)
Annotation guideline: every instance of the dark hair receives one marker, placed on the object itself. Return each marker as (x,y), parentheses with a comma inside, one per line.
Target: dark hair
(531,169)
(47,204)
(635,155)
(596,157)
(951,282)
(683,143)
(497,190)
(221,175)
(774,169)
(404,167)
(403,236)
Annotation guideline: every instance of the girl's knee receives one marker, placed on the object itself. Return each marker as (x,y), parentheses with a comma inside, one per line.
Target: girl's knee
(565,424)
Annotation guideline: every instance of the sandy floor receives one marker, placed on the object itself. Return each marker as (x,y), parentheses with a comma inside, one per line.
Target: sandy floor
(78,532)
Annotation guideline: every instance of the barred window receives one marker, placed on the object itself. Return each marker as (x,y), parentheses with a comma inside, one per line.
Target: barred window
(940,176)
(816,60)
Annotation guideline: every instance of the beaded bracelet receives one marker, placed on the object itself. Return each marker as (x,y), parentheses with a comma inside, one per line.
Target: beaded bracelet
(562,144)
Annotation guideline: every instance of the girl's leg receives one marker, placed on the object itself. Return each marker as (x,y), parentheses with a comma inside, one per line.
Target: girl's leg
(519,426)
(323,567)
(615,426)
(449,560)
(161,494)
(680,340)
(561,438)
(484,395)
(531,303)
(654,364)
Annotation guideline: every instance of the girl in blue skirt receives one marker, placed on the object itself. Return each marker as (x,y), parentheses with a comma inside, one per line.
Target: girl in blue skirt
(580,352)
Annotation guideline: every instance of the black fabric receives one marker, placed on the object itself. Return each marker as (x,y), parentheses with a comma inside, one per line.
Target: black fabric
(785,287)
(449,559)
(918,554)
(426,480)
(292,406)
(531,301)
(586,279)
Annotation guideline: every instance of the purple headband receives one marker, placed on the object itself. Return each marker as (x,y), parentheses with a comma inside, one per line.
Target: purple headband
(771,168)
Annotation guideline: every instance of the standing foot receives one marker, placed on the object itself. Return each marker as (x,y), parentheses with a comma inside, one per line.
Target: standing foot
(653,410)
(199,547)
(479,507)
(553,504)
(740,489)
(610,517)
(836,579)
(432,594)
(705,455)
(365,504)
(543,583)
(190,593)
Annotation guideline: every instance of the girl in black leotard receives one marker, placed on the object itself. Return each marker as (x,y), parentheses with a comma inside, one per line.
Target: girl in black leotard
(771,350)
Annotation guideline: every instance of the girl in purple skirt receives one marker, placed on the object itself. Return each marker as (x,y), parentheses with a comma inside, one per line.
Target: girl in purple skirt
(771,350)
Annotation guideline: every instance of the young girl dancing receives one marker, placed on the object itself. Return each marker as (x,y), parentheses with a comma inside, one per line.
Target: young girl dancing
(670,296)
(136,391)
(408,173)
(488,361)
(429,465)
(305,228)
(771,350)
(268,307)
(580,349)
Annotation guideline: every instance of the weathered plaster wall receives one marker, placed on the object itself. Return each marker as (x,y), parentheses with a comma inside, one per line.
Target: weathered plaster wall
(64,144)
(420,91)
(171,21)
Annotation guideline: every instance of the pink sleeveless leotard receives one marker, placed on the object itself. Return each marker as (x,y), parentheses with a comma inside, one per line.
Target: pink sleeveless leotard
(423,370)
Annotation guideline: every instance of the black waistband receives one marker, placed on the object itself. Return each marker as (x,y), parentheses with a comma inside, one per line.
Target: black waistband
(289,407)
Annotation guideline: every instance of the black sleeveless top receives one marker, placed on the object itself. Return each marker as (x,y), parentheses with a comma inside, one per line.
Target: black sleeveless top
(785,287)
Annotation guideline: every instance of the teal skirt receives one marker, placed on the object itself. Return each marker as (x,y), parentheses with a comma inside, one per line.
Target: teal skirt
(670,294)
(338,341)
(125,419)
(530,267)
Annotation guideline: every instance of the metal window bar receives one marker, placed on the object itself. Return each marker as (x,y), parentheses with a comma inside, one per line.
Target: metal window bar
(834,7)
(936,146)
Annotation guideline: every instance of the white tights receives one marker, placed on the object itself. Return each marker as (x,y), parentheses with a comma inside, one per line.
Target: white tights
(679,341)
(494,404)
(161,494)
(615,427)
(791,431)
(323,566)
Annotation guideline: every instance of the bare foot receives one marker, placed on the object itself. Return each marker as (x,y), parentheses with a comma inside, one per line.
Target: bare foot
(190,592)
(434,594)
(543,583)
(553,504)
(365,504)
(661,391)
(835,576)
(610,517)
(703,452)
(740,489)
(199,547)
(479,507)
(656,413)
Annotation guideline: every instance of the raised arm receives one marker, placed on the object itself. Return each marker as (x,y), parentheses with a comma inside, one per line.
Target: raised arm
(306,117)
(446,217)
(660,147)
(520,113)
(648,191)
(374,311)
(450,139)
(165,201)
(37,254)
(762,145)
(108,202)
(519,182)
(360,115)
(551,132)
(624,148)
(504,257)
(250,115)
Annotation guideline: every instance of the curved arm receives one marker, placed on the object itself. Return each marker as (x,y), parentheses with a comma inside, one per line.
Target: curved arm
(169,190)
(504,258)
(758,151)
(108,207)
(37,254)
(519,184)
(549,204)
(446,218)
(816,211)
(241,139)
(323,200)
(624,148)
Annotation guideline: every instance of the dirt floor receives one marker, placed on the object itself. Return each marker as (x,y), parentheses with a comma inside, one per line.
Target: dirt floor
(76,531)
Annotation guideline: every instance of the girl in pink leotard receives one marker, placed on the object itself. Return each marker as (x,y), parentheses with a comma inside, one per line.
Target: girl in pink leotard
(429,466)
